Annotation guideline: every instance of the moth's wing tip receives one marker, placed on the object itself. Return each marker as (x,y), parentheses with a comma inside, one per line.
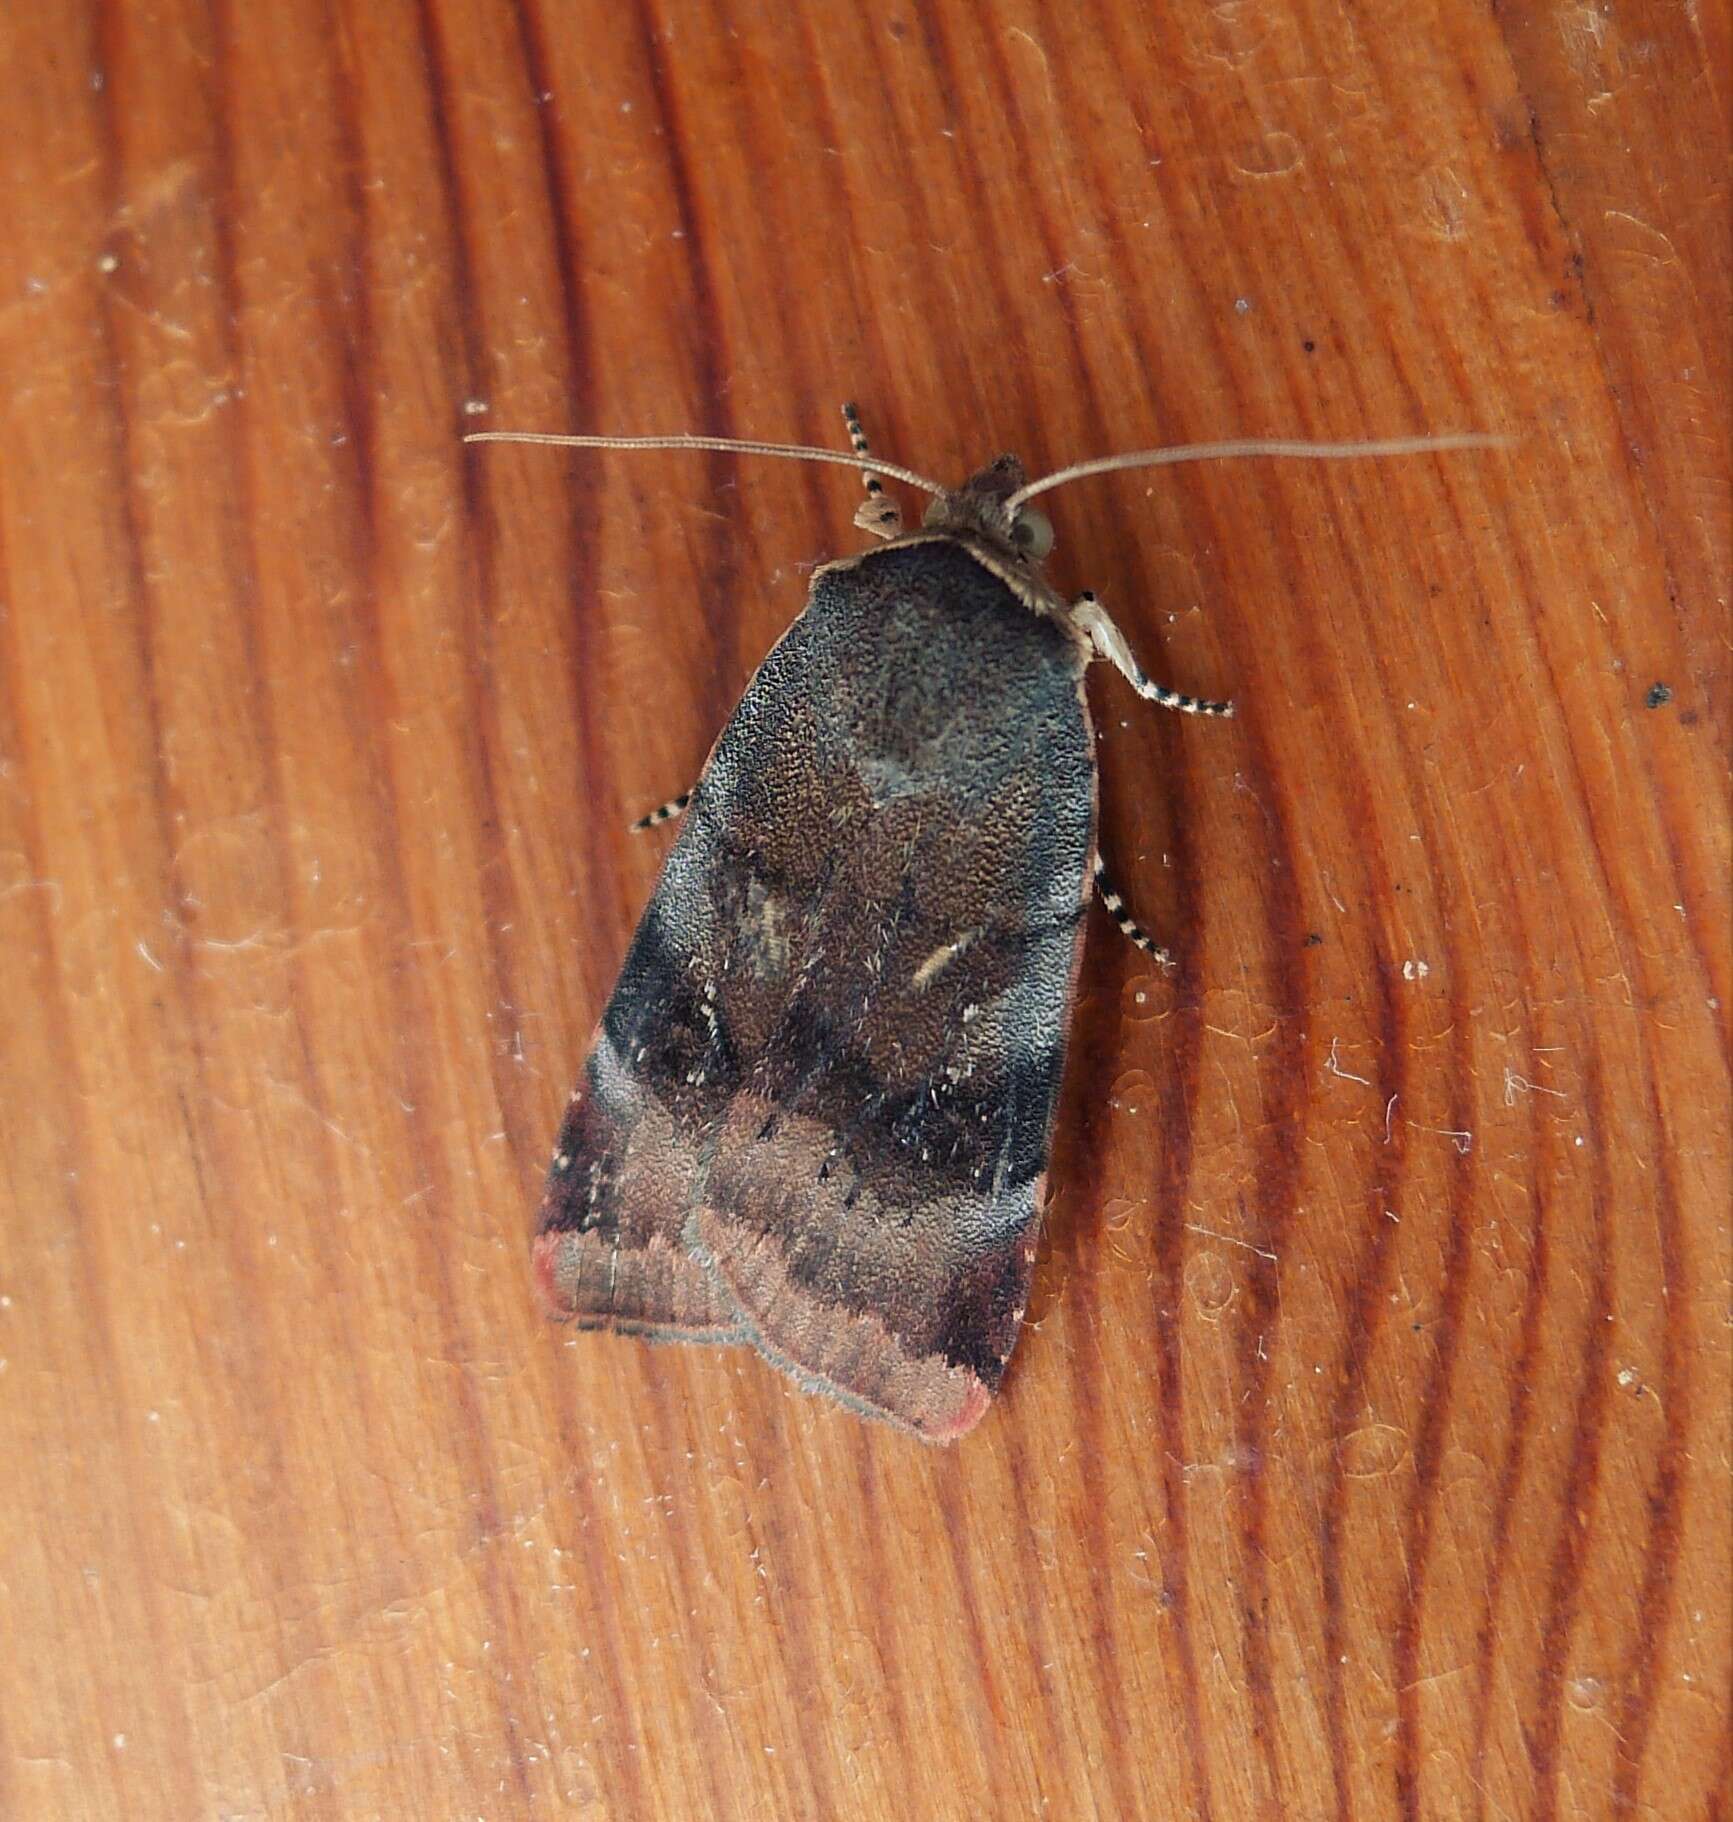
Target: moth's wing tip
(850,1356)
(957,1423)
(935,1412)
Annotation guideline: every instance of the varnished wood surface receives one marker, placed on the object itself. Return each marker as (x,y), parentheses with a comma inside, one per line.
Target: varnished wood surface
(1367,1453)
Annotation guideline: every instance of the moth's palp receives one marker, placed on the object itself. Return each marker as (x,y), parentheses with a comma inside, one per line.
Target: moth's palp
(879,513)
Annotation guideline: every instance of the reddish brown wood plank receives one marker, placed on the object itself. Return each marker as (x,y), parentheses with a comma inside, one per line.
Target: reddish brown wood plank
(1367,1453)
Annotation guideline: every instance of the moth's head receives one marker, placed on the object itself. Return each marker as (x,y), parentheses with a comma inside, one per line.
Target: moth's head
(979,508)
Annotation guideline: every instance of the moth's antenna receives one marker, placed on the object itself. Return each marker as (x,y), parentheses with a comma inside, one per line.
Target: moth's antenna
(1209,452)
(799,452)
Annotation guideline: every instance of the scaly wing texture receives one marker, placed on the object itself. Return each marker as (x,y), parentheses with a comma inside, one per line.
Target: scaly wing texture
(818,1111)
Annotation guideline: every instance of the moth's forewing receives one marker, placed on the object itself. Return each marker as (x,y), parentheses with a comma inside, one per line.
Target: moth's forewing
(820,1107)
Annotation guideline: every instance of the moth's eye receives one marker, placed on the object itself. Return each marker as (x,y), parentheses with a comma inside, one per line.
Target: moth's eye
(1032,534)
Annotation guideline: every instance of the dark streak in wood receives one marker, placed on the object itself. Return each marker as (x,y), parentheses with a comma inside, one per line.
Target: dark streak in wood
(1642,1677)
(1277,1180)
(1487,1635)
(370,715)
(985,1727)
(1364,1306)
(118,1439)
(709,359)
(1179,1094)
(1570,1549)
(1436,1407)
(480,730)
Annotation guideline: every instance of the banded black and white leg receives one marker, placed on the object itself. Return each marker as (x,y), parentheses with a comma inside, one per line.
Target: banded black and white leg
(1128,925)
(1092,619)
(879,513)
(663,812)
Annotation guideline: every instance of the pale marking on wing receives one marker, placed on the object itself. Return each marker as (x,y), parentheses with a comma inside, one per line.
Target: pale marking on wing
(942,957)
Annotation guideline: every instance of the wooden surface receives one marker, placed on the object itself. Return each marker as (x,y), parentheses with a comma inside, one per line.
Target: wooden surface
(1367,1452)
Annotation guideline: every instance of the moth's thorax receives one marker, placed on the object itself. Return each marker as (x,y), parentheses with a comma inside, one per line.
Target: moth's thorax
(977,510)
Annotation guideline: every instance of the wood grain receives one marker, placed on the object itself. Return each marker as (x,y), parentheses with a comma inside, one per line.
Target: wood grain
(1368,1451)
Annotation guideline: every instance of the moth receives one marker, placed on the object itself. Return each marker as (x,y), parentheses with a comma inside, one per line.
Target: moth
(816,1117)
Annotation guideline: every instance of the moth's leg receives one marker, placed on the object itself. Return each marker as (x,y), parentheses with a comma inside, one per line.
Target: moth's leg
(879,513)
(663,812)
(1090,617)
(1129,926)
